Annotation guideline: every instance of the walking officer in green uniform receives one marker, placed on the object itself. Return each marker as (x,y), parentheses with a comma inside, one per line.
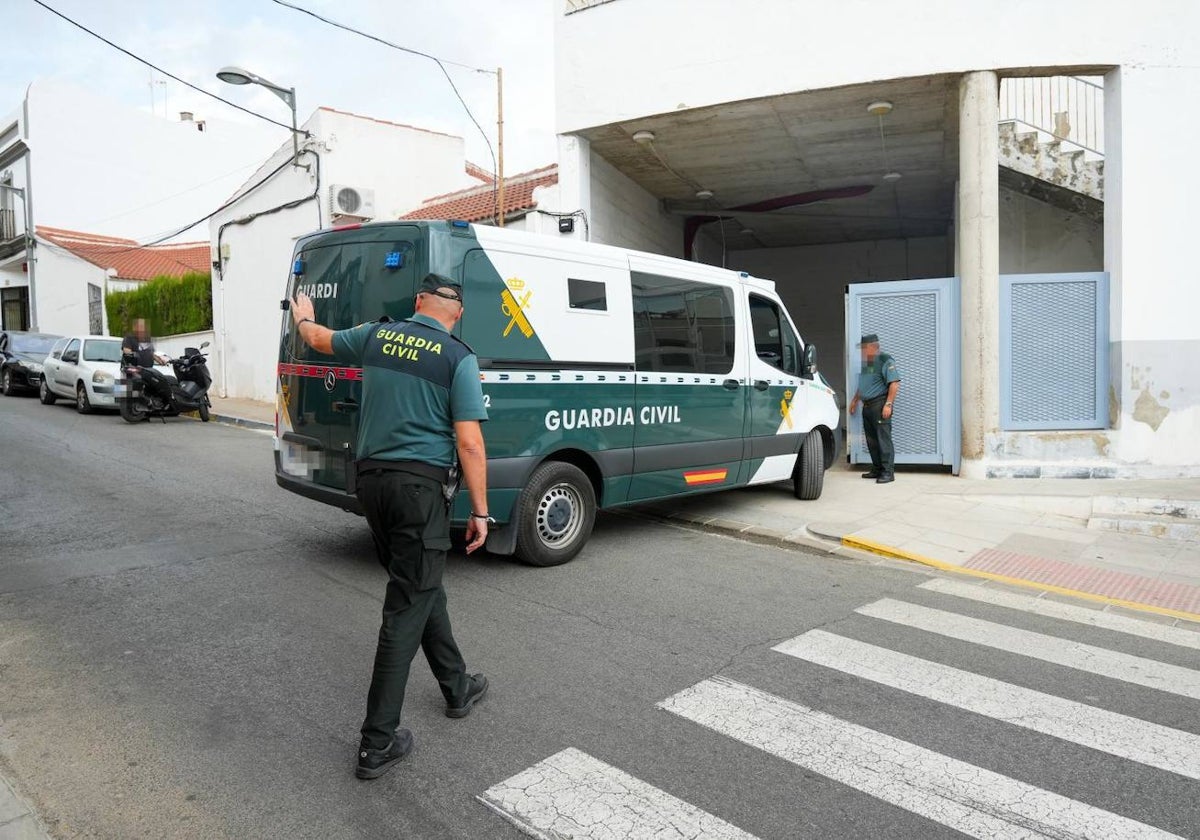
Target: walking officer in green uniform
(421,403)
(878,384)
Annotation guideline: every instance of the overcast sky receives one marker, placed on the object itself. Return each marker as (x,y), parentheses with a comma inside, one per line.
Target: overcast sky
(192,39)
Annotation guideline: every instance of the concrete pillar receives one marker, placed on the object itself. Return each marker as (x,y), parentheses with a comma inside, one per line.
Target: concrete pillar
(978,229)
(575,178)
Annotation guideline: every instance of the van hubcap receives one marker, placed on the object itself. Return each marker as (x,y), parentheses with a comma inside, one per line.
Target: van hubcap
(558,515)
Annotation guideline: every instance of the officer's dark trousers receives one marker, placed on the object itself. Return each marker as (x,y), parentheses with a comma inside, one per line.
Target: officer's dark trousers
(407,515)
(879,436)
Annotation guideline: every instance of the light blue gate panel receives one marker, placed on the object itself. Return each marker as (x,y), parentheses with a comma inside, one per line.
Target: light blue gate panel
(1053,366)
(907,326)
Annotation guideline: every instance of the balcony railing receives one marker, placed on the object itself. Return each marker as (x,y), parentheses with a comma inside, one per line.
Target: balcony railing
(1068,108)
(8,225)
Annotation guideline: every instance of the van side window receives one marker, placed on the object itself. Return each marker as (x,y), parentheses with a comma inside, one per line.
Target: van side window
(775,342)
(587,294)
(682,326)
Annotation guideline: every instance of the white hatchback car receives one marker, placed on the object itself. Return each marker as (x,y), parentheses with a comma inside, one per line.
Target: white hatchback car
(84,368)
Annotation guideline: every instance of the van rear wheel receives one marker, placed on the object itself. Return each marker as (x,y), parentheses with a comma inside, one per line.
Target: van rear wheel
(808,478)
(555,514)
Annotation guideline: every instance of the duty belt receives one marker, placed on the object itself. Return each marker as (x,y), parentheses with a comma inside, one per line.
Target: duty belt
(438,474)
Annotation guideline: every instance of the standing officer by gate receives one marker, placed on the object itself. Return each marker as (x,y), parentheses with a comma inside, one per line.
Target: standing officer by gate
(421,401)
(878,384)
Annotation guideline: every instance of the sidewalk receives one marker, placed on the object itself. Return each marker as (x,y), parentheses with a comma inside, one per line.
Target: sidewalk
(18,821)
(1124,543)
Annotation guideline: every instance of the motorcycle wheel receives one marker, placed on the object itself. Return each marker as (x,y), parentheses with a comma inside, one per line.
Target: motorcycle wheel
(130,412)
(203,411)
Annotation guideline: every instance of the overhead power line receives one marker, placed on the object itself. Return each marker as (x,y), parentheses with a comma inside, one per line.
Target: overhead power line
(441,63)
(141,60)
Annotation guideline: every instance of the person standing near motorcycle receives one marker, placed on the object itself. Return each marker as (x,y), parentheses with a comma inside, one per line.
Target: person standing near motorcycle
(418,409)
(140,346)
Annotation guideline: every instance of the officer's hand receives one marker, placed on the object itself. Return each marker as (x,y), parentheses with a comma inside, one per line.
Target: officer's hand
(302,307)
(477,531)
(853,406)
(887,412)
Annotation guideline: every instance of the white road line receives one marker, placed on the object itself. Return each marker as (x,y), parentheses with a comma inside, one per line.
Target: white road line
(969,799)
(1068,612)
(1094,660)
(1120,735)
(571,794)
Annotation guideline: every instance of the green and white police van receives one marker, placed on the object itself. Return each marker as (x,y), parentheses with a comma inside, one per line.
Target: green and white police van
(612,377)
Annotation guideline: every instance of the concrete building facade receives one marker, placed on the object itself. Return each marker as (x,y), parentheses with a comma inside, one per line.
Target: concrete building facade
(79,161)
(758,133)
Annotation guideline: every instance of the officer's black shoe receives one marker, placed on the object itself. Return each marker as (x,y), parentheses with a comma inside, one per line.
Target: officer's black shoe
(374,763)
(479,687)
(871,474)
(886,478)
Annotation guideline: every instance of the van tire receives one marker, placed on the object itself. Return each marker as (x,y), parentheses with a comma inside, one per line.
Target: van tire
(808,478)
(555,514)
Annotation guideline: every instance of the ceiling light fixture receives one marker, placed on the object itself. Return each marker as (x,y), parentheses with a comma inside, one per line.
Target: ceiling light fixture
(892,176)
(704,195)
(879,108)
(643,137)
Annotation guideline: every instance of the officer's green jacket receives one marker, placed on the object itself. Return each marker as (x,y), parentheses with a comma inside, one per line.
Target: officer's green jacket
(875,376)
(418,380)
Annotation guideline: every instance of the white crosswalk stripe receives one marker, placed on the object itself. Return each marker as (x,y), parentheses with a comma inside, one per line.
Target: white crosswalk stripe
(571,794)
(969,799)
(1096,660)
(1173,635)
(1121,735)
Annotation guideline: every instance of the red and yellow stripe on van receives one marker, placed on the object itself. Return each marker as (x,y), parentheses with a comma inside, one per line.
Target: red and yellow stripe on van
(696,478)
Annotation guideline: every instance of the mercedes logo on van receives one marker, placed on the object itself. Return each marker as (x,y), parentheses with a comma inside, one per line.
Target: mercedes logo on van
(330,380)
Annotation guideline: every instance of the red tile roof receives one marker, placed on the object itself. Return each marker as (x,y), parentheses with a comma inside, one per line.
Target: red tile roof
(130,260)
(476,204)
(480,173)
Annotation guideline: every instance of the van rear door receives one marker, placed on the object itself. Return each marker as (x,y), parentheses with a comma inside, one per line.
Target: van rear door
(352,276)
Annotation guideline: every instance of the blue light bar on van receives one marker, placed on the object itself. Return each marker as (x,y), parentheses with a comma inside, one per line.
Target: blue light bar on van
(298,267)
(459,223)
(394,259)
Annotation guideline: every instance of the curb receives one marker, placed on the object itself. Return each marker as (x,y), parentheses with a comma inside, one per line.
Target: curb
(230,420)
(813,537)
(898,554)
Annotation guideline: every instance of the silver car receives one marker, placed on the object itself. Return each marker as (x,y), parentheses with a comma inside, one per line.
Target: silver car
(84,368)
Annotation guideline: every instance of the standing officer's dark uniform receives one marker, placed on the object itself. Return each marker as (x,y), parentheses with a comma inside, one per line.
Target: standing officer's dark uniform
(873,381)
(418,379)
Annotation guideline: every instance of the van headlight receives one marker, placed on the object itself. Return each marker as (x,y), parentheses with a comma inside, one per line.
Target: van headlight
(102,378)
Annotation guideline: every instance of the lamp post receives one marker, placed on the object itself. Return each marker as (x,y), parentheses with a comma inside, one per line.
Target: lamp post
(30,257)
(238,76)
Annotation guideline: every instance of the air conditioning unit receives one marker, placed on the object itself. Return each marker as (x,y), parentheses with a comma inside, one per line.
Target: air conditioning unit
(351,202)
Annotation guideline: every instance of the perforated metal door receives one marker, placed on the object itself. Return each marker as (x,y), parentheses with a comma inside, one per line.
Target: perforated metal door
(917,324)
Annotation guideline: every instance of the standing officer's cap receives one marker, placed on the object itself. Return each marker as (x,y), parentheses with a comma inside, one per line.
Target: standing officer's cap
(433,282)
(869,338)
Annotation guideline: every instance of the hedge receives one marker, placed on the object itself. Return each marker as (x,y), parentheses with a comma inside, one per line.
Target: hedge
(170,305)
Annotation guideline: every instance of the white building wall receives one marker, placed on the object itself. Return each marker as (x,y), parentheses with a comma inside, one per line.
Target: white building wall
(625,215)
(401,165)
(62,290)
(1036,238)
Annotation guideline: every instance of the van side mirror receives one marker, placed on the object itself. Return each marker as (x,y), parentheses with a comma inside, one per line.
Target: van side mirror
(808,367)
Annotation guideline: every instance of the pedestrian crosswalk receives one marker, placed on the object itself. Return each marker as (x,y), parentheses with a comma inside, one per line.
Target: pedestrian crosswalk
(573,794)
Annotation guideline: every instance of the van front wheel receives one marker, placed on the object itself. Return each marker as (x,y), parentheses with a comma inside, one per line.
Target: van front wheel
(555,514)
(808,478)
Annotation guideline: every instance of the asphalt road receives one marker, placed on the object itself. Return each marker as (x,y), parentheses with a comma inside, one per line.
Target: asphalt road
(185,651)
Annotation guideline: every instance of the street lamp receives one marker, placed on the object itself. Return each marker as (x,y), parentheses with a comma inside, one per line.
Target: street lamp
(238,76)
(30,257)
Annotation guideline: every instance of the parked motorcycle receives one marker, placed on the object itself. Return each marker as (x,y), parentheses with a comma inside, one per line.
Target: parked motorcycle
(145,393)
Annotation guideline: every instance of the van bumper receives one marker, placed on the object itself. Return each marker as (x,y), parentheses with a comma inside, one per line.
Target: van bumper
(319,492)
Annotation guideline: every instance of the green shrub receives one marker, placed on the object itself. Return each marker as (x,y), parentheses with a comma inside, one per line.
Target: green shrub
(170,305)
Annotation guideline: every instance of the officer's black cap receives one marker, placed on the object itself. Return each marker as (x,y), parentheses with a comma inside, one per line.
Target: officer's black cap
(434,282)
(869,338)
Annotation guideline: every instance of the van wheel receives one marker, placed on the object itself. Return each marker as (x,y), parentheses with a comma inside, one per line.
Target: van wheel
(555,514)
(808,478)
(47,396)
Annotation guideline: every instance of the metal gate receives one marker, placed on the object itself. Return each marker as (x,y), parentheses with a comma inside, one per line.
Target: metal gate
(918,323)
